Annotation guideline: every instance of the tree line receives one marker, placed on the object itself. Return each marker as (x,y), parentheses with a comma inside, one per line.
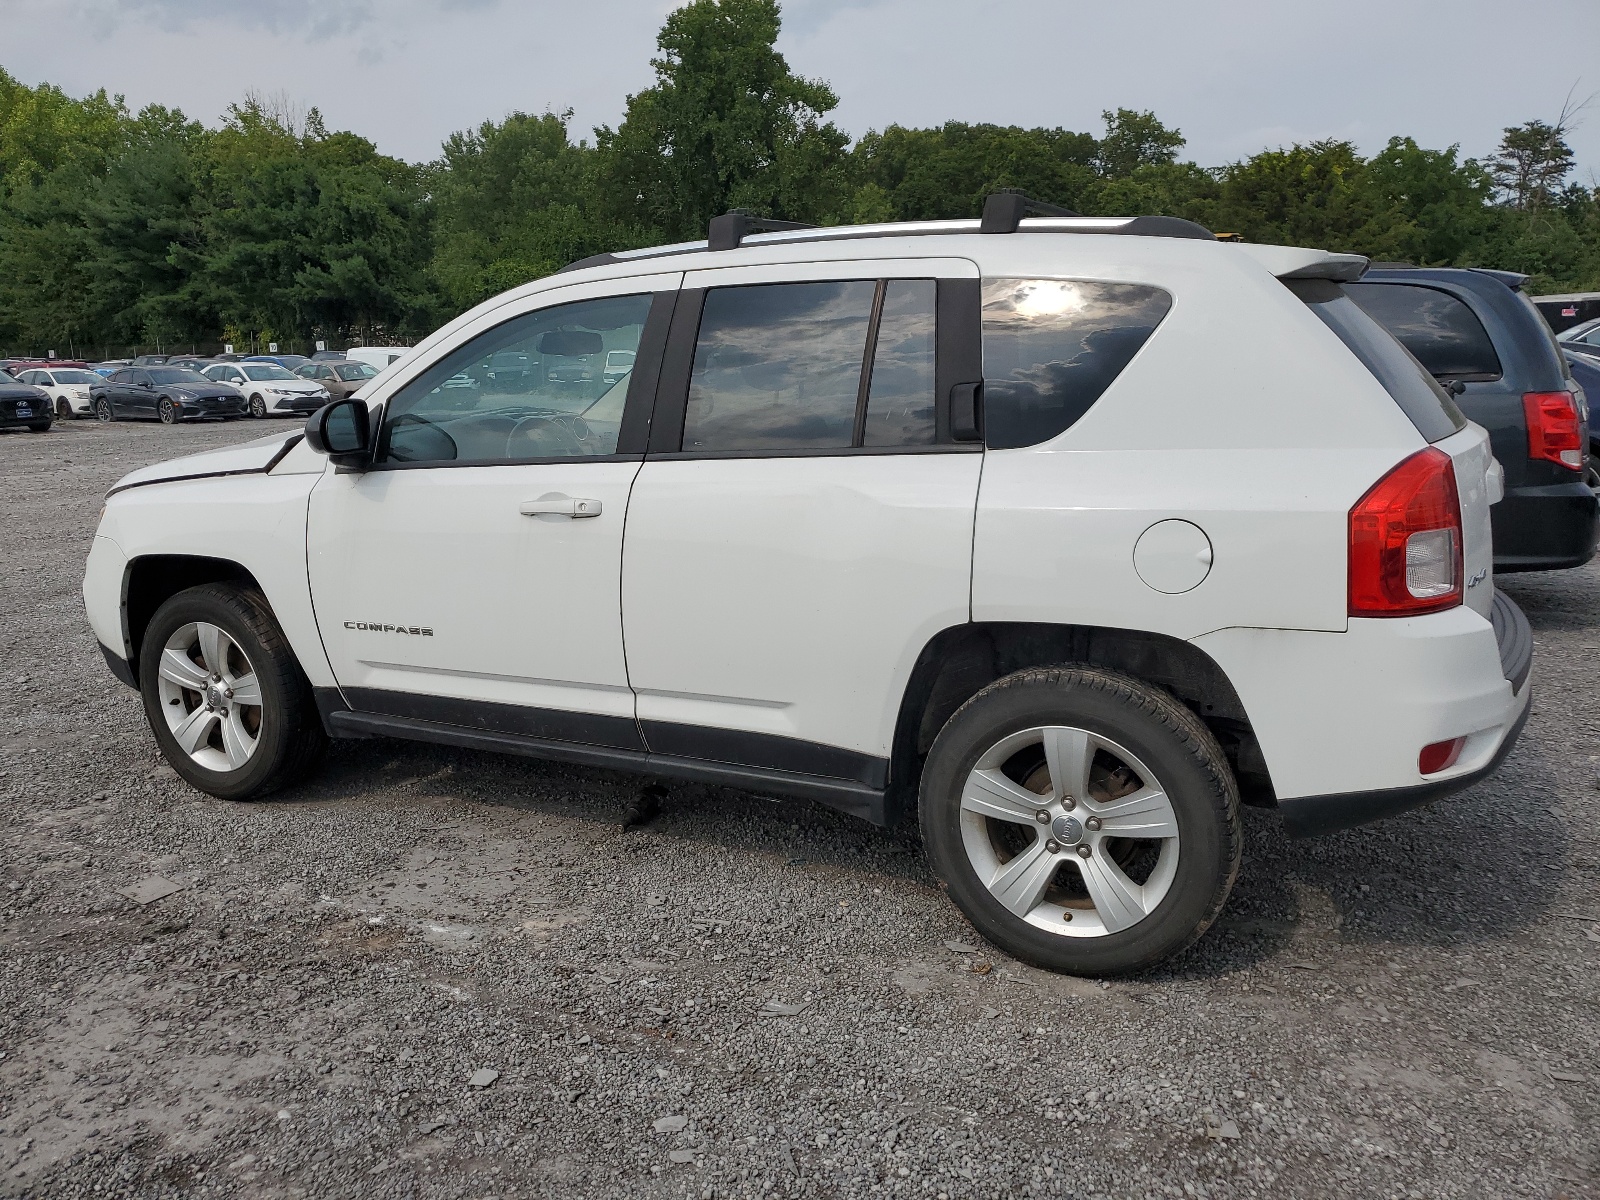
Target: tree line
(122,229)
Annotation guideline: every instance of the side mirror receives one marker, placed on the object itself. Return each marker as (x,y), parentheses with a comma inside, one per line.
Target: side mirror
(343,431)
(144,383)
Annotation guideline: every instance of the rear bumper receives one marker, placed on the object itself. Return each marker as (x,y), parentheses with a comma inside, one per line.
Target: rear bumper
(1341,718)
(1545,528)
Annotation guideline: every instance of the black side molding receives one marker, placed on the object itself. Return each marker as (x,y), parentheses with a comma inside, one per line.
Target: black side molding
(846,795)
(1310,816)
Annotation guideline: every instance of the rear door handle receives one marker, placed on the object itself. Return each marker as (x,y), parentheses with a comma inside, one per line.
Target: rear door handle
(560,506)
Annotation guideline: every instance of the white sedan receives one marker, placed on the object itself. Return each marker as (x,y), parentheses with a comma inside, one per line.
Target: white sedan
(67,387)
(273,391)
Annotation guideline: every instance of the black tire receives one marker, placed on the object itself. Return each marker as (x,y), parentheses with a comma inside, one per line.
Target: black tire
(103,412)
(39,427)
(291,739)
(167,411)
(258,407)
(63,410)
(1178,749)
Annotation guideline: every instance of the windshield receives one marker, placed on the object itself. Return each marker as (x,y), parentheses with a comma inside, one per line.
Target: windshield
(178,377)
(353,371)
(75,376)
(6,377)
(264,371)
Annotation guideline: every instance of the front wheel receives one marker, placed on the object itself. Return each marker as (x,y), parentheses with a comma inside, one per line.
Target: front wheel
(167,411)
(229,706)
(40,427)
(1081,819)
(103,412)
(258,406)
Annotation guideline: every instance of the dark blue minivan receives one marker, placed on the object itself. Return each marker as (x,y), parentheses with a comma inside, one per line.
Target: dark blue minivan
(1481,337)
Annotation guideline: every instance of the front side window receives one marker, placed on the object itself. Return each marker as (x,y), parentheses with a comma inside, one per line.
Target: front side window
(532,388)
(121,377)
(75,377)
(813,367)
(351,372)
(1443,334)
(1051,347)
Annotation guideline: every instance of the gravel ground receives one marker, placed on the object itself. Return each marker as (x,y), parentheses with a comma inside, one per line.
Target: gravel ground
(437,973)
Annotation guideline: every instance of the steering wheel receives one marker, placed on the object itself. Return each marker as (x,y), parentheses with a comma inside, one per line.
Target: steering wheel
(548,436)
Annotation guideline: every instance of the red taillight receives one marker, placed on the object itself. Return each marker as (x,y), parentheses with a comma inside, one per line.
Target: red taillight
(1405,540)
(1439,756)
(1553,434)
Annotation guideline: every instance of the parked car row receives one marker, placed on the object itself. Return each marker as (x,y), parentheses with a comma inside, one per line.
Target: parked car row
(173,388)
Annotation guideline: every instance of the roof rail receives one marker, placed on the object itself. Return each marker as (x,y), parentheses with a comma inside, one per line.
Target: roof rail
(1003,210)
(730,229)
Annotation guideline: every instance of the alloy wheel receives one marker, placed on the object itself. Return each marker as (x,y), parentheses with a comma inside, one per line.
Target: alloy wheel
(1070,831)
(210,696)
(167,411)
(258,406)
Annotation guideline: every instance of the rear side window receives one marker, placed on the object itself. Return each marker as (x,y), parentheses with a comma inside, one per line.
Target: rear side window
(1051,347)
(813,367)
(1418,394)
(1442,332)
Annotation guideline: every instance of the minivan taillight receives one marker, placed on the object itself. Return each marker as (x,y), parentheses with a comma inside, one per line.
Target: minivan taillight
(1405,540)
(1553,434)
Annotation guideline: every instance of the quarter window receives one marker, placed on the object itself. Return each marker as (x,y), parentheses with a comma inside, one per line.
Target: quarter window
(779,367)
(533,388)
(1051,347)
(1442,332)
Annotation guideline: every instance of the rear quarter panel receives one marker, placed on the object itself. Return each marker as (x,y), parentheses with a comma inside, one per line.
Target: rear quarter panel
(1243,414)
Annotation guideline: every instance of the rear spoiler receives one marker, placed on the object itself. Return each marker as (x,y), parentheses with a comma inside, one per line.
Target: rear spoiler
(1299,262)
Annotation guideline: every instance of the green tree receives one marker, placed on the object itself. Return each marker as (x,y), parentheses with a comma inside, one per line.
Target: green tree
(726,125)
(1530,163)
(939,174)
(1133,140)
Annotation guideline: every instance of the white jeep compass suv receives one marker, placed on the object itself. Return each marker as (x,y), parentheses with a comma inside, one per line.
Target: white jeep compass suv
(1067,534)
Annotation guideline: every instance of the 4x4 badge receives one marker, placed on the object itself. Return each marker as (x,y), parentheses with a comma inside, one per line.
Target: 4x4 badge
(1482,574)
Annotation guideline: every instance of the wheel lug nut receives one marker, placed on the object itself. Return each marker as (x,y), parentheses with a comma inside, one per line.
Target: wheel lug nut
(228,692)
(1091,823)
(1052,846)
(1084,851)
(1042,817)
(1068,803)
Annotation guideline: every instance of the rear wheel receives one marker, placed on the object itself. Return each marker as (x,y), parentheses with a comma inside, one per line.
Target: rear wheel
(167,411)
(63,410)
(103,411)
(258,406)
(1081,819)
(229,706)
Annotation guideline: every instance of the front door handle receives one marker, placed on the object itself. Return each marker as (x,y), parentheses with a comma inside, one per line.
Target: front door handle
(560,506)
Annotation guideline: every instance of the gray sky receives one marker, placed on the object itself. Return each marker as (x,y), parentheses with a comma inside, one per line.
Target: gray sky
(1234,75)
